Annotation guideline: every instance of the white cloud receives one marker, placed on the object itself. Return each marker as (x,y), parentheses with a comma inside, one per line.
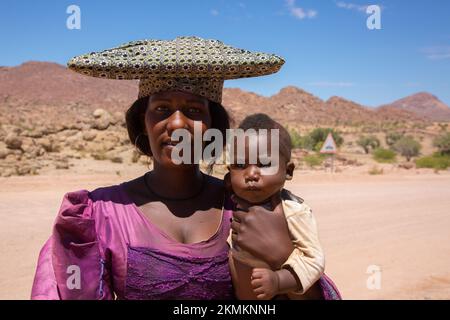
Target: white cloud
(351,6)
(331,84)
(214,12)
(437,53)
(300,13)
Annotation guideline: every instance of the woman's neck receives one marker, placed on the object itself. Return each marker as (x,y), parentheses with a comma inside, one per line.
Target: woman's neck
(176,183)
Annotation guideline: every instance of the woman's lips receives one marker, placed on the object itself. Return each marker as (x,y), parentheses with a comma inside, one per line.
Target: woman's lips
(169,144)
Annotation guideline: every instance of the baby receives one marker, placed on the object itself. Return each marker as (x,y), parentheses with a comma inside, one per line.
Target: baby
(253,278)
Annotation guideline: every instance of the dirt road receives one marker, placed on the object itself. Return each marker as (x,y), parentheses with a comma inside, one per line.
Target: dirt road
(397,225)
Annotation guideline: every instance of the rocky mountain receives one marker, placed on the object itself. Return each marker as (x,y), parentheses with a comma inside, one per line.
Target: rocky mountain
(50,115)
(294,106)
(423,104)
(36,93)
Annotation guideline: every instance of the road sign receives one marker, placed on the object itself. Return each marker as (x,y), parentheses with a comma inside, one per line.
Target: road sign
(329,146)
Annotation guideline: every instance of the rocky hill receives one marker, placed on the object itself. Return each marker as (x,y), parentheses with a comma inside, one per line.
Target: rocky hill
(38,93)
(423,104)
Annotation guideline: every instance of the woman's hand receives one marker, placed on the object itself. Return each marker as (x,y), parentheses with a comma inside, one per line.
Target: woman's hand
(261,232)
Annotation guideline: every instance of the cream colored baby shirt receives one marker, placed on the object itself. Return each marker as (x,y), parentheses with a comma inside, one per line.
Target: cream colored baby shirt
(307,260)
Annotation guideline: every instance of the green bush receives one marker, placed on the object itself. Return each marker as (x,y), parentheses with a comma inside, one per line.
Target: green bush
(315,139)
(319,135)
(313,160)
(407,147)
(296,139)
(384,155)
(368,143)
(436,161)
(392,138)
(443,143)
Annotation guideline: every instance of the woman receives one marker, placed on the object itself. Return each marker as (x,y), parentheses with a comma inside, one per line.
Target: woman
(162,235)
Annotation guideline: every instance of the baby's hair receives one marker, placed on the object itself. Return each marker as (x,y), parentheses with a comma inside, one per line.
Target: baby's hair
(263,121)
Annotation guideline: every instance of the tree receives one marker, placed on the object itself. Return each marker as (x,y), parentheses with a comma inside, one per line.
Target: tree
(443,143)
(319,135)
(368,143)
(407,147)
(392,138)
(296,139)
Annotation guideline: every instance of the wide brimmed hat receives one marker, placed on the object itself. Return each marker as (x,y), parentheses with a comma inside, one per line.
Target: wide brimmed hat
(190,64)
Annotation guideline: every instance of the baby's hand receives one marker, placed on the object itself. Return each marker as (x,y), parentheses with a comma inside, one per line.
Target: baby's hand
(264,283)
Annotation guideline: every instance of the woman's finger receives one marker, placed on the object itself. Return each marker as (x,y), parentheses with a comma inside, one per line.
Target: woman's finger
(238,215)
(234,237)
(235,226)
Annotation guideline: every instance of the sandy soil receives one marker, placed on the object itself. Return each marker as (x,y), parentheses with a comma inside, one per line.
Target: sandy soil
(398,222)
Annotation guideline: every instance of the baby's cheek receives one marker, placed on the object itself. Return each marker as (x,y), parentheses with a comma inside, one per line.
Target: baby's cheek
(237,180)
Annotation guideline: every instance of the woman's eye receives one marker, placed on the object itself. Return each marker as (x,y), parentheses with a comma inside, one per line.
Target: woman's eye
(161,108)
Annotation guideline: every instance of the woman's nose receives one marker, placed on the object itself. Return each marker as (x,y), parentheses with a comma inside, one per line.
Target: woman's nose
(177,120)
(252,174)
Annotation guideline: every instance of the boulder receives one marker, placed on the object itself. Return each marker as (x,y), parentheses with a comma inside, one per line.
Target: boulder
(100,113)
(13,141)
(118,118)
(62,164)
(407,165)
(46,143)
(89,135)
(101,123)
(4,152)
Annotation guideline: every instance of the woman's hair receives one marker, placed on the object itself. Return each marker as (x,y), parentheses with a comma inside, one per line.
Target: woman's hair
(135,120)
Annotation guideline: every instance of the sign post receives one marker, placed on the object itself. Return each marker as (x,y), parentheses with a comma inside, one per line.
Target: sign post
(329,148)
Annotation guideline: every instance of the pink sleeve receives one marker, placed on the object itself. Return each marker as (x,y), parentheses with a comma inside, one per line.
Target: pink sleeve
(72,263)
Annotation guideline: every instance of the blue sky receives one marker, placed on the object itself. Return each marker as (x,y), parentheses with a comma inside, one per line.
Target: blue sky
(326,43)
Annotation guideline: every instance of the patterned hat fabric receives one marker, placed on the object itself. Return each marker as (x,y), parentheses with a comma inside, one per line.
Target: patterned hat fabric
(189,64)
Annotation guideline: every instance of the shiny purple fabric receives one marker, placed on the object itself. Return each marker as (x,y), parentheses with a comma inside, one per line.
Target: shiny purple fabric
(111,244)
(153,274)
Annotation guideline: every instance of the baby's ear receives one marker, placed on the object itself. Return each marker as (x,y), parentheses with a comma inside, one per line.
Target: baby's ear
(290,166)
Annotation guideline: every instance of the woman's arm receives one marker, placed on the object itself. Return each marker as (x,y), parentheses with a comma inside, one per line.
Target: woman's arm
(71,265)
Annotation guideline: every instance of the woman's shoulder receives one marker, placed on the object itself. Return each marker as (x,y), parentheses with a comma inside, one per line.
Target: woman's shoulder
(104,193)
(83,202)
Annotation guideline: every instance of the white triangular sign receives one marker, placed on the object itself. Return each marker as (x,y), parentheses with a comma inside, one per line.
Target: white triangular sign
(329,146)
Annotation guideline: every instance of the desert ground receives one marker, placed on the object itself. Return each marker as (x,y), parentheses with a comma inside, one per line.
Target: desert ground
(397,223)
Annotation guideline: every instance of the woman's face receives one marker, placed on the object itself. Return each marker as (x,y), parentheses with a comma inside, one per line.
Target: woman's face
(171,110)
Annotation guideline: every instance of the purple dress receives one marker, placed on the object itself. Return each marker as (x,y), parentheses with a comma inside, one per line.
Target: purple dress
(103,247)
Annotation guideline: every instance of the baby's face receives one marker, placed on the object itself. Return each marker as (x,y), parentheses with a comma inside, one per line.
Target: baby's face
(251,181)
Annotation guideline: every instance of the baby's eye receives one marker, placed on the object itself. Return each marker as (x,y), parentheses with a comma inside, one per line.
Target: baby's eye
(193,110)
(265,165)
